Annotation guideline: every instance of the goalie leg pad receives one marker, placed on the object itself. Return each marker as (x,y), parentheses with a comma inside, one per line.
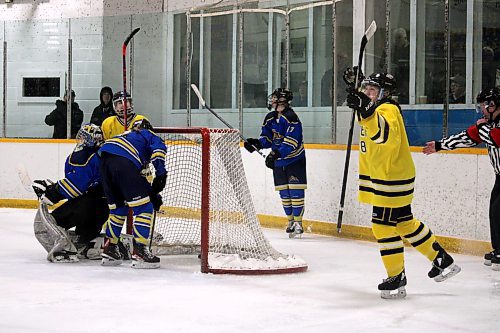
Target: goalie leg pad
(53,238)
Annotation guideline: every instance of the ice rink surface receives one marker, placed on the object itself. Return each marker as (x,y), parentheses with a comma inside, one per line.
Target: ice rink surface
(337,294)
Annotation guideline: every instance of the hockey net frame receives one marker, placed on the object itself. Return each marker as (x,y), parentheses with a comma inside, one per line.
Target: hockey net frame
(214,260)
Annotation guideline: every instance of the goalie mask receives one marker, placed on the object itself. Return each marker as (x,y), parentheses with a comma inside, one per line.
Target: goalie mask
(118,99)
(280,96)
(384,81)
(488,102)
(89,135)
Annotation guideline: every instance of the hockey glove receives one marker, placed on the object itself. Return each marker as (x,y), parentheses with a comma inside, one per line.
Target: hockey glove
(349,76)
(271,158)
(156,200)
(47,193)
(363,105)
(252,145)
(159,183)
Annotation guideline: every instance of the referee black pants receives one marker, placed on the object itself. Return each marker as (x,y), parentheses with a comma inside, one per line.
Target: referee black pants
(495,215)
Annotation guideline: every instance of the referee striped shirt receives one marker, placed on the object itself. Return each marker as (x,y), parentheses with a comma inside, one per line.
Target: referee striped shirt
(474,135)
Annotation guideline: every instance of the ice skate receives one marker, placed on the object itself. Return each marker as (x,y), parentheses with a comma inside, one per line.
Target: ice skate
(111,255)
(297,230)
(393,287)
(290,228)
(92,250)
(143,258)
(487,258)
(63,257)
(495,262)
(443,267)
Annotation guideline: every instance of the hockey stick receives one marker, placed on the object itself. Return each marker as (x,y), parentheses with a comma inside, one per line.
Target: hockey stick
(24,177)
(124,60)
(204,104)
(366,37)
(152,230)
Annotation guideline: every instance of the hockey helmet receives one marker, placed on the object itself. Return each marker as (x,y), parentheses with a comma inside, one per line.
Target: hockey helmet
(281,96)
(90,135)
(491,99)
(489,95)
(141,124)
(386,82)
(120,97)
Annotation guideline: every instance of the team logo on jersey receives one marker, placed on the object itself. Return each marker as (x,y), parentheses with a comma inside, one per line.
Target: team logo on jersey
(293,179)
(276,135)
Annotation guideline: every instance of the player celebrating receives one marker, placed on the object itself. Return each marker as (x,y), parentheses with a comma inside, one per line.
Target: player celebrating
(115,125)
(86,208)
(386,181)
(487,130)
(123,157)
(282,132)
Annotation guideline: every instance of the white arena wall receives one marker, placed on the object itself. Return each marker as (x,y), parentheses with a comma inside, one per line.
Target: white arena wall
(452,190)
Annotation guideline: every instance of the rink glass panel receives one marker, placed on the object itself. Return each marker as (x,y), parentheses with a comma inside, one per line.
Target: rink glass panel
(157,58)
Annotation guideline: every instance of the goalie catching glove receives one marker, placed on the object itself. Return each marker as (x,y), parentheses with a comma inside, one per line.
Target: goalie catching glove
(159,183)
(271,158)
(363,105)
(47,192)
(252,145)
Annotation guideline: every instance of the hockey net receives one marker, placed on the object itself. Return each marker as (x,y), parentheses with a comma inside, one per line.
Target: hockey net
(207,207)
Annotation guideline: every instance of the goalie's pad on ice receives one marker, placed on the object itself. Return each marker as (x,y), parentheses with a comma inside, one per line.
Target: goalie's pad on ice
(53,238)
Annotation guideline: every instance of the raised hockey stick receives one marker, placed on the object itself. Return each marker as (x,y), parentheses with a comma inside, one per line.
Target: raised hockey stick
(124,61)
(204,104)
(366,37)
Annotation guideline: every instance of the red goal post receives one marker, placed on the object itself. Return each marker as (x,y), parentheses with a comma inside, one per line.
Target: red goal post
(207,207)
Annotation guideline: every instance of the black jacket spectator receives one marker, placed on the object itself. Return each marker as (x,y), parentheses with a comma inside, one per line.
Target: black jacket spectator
(105,109)
(57,118)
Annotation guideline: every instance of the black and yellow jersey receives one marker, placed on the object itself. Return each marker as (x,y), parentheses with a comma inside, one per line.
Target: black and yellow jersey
(386,169)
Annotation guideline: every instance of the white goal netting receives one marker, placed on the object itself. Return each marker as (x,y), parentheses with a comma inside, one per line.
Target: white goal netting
(207,207)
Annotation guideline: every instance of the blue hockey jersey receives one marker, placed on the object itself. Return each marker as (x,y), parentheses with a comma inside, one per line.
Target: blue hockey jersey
(81,172)
(141,147)
(283,133)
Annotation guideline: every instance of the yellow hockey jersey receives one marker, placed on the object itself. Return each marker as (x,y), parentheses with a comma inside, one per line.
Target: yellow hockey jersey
(113,126)
(386,169)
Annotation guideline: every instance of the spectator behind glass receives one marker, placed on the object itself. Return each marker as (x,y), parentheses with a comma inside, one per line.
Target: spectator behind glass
(457,89)
(489,69)
(401,63)
(105,109)
(300,99)
(326,82)
(58,117)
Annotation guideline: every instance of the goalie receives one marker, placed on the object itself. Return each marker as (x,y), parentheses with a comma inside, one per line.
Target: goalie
(85,209)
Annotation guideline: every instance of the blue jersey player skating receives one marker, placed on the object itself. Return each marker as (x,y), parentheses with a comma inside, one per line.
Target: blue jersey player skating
(122,159)
(282,132)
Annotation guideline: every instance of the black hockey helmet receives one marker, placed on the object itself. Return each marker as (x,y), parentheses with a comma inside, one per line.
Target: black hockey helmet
(282,95)
(491,94)
(120,97)
(488,96)
(141,124)
(384,81)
